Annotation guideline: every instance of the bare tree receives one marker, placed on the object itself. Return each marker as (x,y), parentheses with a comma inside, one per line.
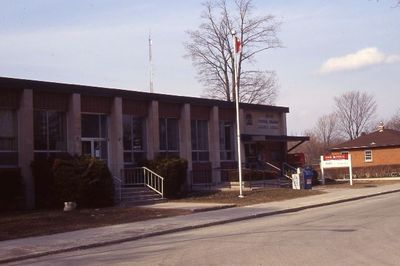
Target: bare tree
(394,121)
(326,130)
(355,111)
(211,51)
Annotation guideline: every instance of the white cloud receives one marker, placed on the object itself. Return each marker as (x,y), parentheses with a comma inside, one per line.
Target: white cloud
(360,59)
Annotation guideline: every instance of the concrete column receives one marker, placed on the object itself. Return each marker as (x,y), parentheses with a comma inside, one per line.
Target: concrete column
(185,140)
(74,125)
(153,138)
(115,130)
(214,147)
(25,145)
(284,132)
(283,124)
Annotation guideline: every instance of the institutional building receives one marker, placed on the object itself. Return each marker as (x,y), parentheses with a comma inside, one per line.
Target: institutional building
(45,119)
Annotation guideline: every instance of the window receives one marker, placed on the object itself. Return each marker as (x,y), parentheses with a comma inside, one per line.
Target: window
(199,134)
(134,139)
(368,156)
(49,133)
(94,135)
(226,140)
(169,136)
(8,138)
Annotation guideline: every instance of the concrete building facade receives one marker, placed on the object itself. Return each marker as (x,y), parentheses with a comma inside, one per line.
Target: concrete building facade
(45,119)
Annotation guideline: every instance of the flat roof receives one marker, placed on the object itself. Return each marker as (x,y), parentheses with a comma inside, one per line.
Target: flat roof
(7,83)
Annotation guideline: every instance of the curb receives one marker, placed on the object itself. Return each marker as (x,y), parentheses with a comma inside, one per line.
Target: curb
(186,228)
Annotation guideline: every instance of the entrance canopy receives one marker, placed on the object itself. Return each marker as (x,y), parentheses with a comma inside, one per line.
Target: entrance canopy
(277,138)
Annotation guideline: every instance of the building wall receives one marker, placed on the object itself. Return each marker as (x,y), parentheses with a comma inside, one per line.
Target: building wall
(76,103)
(380,156)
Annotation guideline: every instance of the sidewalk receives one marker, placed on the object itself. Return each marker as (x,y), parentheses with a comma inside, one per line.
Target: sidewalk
(19,249)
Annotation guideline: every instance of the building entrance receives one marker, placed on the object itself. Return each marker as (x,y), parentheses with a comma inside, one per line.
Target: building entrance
(94,136)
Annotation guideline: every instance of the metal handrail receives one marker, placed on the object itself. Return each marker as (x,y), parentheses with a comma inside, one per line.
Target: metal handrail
(281,170)
(273,166)
(154,181)
(144,176)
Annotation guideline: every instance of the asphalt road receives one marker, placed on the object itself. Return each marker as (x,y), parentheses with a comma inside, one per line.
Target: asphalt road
(364,232)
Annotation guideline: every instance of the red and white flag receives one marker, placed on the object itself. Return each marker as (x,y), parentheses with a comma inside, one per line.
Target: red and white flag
(238,45)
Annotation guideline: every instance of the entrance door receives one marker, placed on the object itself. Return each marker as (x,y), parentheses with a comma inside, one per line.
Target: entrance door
(250,151)
(94,135)
(95,148)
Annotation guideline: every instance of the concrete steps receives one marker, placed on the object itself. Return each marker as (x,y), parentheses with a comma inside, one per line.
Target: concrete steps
(139,195)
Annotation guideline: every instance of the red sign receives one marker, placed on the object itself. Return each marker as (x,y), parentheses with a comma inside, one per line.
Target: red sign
(330,157)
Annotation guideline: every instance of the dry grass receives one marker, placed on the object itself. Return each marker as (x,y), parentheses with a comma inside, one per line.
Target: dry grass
(34,223)
(262,195)
(357,184)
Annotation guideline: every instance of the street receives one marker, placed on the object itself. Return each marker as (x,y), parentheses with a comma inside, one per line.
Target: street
(363,232)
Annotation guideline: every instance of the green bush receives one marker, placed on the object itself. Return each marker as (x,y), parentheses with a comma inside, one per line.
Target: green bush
(173,170)
(10,188)
(84,180)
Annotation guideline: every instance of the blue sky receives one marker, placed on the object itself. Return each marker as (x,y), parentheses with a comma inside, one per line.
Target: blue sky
(330,47)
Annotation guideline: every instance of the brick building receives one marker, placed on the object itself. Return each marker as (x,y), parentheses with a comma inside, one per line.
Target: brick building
(45,119)
(375,154)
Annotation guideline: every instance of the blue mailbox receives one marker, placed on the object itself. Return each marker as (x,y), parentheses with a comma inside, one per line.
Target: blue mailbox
(308,175)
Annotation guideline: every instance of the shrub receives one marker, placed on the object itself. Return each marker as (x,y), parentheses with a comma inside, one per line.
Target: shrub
(85,180)
(173,170)
(10,188)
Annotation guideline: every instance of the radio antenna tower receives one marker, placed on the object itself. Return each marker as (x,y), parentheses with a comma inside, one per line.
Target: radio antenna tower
(151,62)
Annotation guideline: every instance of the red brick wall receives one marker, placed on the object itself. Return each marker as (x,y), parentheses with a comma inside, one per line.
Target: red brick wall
(380,156)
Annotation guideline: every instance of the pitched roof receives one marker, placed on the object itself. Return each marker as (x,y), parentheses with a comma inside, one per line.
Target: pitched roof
(377,139)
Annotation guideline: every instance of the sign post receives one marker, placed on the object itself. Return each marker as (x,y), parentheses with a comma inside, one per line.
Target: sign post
(336,161)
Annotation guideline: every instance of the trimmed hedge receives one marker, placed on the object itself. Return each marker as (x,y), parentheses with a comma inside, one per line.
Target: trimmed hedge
(173,169)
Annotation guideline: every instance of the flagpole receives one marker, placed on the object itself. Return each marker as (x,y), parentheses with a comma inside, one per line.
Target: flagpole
(151,62)
(237,113)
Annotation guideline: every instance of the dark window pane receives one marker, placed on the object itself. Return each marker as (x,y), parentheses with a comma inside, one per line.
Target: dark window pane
(90,126)
(194,156)
(139,158)
(202,128)
(193,130)
(203,156)
(127,132)
(138,134)
(56,131)
(127,157)
(8,158)
(8,130)
(163,134)
(173,134)
(103,126)
(40,130)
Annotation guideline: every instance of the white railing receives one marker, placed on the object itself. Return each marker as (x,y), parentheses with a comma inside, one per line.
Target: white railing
(117,187)
(285,169)
(144,176)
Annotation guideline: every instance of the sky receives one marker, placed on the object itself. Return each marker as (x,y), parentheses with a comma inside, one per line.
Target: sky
(329,48)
